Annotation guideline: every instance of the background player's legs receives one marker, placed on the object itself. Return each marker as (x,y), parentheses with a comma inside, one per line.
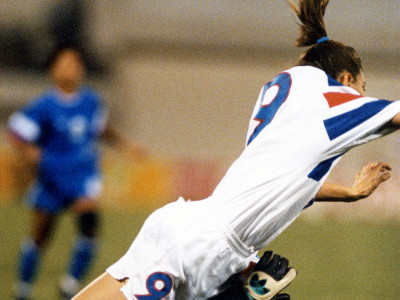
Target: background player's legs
(85,246)
(42,227)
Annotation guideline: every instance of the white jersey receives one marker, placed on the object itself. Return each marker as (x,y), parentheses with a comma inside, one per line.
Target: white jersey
(301,125)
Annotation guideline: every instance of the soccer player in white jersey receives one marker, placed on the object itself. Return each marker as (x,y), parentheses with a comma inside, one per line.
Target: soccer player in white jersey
(305,119)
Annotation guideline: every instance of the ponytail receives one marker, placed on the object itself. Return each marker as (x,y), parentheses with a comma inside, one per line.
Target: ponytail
(330,56)
(311,15)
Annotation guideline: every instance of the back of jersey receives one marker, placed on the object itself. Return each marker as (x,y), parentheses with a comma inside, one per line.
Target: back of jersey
(298,131)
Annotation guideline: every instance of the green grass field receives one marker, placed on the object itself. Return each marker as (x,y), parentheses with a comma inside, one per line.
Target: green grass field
(334,260)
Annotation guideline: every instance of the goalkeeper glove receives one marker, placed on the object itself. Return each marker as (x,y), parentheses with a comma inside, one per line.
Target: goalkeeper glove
(269,277)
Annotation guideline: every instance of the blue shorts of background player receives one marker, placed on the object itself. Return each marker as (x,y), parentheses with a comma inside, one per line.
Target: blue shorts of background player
(54,196)
(48,199)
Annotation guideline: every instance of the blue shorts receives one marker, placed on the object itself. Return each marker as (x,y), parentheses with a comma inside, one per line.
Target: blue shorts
(52,196)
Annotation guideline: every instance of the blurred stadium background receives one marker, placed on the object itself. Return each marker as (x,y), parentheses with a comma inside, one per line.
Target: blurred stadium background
(182,77)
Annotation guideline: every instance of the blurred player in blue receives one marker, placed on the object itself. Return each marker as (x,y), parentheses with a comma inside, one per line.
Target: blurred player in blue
(59,133)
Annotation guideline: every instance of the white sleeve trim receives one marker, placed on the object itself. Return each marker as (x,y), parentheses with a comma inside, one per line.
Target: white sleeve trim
(24,127)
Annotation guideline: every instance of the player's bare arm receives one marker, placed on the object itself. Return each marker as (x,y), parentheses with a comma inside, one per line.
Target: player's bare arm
(30,152)
(365,183)
(396,121)
(131,149)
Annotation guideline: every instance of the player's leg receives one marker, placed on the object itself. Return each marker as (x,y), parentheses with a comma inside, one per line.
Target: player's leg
(104,287)
(85,246)
(41,228)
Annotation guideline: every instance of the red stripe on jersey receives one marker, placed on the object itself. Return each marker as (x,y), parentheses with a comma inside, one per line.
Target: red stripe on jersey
(335,98)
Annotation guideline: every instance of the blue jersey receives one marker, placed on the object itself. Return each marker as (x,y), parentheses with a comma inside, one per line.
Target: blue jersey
(67,131)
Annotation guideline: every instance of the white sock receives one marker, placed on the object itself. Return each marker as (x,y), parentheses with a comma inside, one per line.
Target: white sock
(69,285)
(23,289)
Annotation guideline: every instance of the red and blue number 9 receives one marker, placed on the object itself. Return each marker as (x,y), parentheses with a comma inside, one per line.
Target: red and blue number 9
(273,95)
(159,285)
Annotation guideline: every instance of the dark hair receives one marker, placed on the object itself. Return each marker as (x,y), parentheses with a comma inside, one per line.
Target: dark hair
(330,56)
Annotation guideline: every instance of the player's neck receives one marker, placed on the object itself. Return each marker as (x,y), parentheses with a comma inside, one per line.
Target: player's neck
(67,94)
(68,91)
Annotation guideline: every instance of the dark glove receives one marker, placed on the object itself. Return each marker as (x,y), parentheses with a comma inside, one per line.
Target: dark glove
(281,297)
(269,277)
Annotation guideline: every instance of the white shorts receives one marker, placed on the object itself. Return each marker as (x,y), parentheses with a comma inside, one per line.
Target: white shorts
(178,254)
